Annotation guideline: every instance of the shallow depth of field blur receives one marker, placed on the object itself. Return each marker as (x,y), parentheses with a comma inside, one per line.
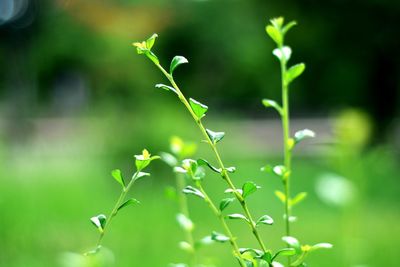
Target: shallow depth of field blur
(76,101)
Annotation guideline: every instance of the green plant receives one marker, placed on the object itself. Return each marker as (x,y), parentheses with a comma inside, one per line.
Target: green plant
(194,168)
(102,222)
(277,31)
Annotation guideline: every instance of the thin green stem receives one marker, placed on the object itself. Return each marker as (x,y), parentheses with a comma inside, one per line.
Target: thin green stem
(213,146)
(228,232)
(286,145)
(114,211)
(183,208)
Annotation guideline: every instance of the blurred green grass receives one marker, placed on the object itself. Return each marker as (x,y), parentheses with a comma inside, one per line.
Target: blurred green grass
(47,198)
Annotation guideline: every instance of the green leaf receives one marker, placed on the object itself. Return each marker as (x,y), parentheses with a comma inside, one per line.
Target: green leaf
(294,72)
(215,136)
(176,61)
(321,246)
(99,221)
(303,134)
(298,198)
(185,222)
(280,170)
(277,22)
(281,196)
(166,87)
(267,168)
(225,203)
(249,188)
(230,190)
(285,252)
(288,27)
(151,40)
(275,34)
(169,159)
(141,175)
(267,256)
(271,103)
(237,216)
(265,219)
(219,237)
(118,177)
(292,242)
(257,252)
(283,53)
(131,201)
(198,108)
(230,169)
(202,162)
(143,160)
(152,57)
(193,191)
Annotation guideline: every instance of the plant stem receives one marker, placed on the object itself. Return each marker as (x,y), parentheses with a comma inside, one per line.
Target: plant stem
(286,146)
(213,146)
(114,211)
(183,208)
(221,218)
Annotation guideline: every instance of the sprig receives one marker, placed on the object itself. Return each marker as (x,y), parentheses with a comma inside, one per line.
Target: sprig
(102,222)
(197,111)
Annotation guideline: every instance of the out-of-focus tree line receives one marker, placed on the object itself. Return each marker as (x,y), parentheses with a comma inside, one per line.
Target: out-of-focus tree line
(62,57)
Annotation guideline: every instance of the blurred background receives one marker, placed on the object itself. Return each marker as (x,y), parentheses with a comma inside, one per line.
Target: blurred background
(76,101)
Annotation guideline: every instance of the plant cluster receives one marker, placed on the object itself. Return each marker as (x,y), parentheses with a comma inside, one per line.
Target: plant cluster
(191,172)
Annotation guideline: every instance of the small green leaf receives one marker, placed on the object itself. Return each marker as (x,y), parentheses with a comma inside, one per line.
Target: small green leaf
(288,27)
(271,103)
(225,203)
(204,241)
(280,170)
(237,216)
(219,237)
(249,188)
(303,134)
(193,191)
(257,252)
(292,242)
(321,246)
(143,160)
(152,57)
(131,201)
(267,168)
(176,61)
(215,136)
(202,162)
(141,175)
(198,108)
(285,252)
(281,196)
(118,177)
(265,219)
(99,221)
(283,53)
(166,87)
(275,35)
(151,40)
(298,198)
(230,190)
(230,169)
(169,159)
(185,222)
(267,256)
(294,72)
(277,22)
